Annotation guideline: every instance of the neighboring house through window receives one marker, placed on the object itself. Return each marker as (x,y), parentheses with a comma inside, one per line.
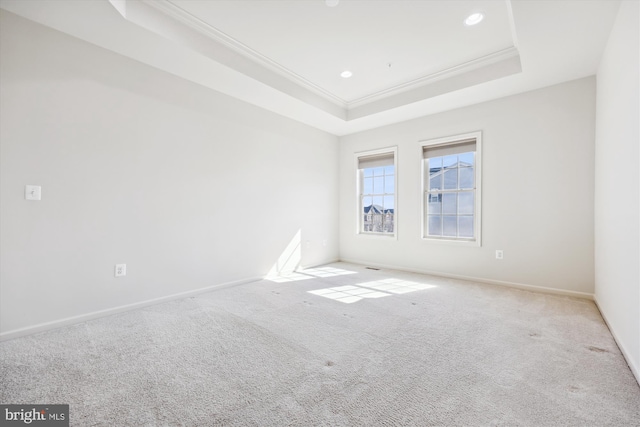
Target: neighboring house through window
(376,179)
(451,188)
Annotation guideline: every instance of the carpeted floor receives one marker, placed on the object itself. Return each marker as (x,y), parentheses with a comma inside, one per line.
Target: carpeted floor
(386,348)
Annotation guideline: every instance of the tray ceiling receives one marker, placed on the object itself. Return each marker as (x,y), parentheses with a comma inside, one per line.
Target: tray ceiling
(385,44)
(408,58)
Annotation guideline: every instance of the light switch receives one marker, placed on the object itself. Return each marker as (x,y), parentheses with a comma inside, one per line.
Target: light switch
(32,192)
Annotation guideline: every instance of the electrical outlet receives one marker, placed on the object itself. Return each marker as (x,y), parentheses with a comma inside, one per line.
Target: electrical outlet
(499,254)
(121,270)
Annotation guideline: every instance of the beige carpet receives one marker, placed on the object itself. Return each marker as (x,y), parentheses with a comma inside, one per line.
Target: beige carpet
(336,346)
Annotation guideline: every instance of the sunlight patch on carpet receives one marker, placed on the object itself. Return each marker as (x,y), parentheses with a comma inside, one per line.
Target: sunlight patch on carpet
(377,289)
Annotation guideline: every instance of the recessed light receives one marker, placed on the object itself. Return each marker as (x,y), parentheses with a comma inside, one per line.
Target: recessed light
(346,74)
(331,3)
(474,19)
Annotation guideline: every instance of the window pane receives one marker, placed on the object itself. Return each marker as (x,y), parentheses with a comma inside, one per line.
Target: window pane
(378,171)
(466,159)
(389,170)
(449,226)
(368,172)
(435,225)
(435,162)
(465,203)
(377,223)
(377,203)
(434,205)
(450,179)
(389,184)
(449,161)
(435,181)
(388,222)
(388,202)
(465,226)
(367,214)
(368,186)
(366,203)
(466,178)
(378,185)
(449,203)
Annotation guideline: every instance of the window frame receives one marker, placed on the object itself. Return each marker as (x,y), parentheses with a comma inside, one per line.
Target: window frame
(359,188)
(477,209)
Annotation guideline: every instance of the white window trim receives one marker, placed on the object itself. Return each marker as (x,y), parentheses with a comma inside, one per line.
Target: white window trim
(478,196)
(359,231)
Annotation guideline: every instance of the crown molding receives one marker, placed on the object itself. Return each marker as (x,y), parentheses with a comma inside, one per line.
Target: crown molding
(170,9)
(149,36)
(181,15)
(168,19)
(484,61)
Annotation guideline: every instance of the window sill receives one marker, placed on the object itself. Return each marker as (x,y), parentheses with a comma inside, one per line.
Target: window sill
(377,235)
(452,242)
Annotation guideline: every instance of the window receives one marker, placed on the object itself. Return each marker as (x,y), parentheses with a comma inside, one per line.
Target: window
(451,188)
(377,192)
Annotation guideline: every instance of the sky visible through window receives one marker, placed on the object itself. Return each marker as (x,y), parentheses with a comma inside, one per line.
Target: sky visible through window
(379,186)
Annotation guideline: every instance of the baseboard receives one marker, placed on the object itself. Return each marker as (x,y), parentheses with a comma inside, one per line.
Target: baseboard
(42,327)
(320,264)
(625,353)
(522,286)
(47,326)
(17,333)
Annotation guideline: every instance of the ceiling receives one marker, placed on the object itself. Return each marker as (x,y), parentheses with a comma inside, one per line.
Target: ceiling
(408,58)
(384,43)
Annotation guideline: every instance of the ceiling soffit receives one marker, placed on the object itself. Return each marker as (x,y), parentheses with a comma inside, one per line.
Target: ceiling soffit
(176,24)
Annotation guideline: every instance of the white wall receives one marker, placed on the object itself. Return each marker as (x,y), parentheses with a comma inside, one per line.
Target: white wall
(537,191)
(617,185)
(188,187)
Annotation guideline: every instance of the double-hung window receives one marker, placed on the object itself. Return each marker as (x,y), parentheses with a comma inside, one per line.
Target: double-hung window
(451,188)
(377,213)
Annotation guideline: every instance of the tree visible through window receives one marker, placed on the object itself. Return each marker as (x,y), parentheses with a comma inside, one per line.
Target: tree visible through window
(377,187)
